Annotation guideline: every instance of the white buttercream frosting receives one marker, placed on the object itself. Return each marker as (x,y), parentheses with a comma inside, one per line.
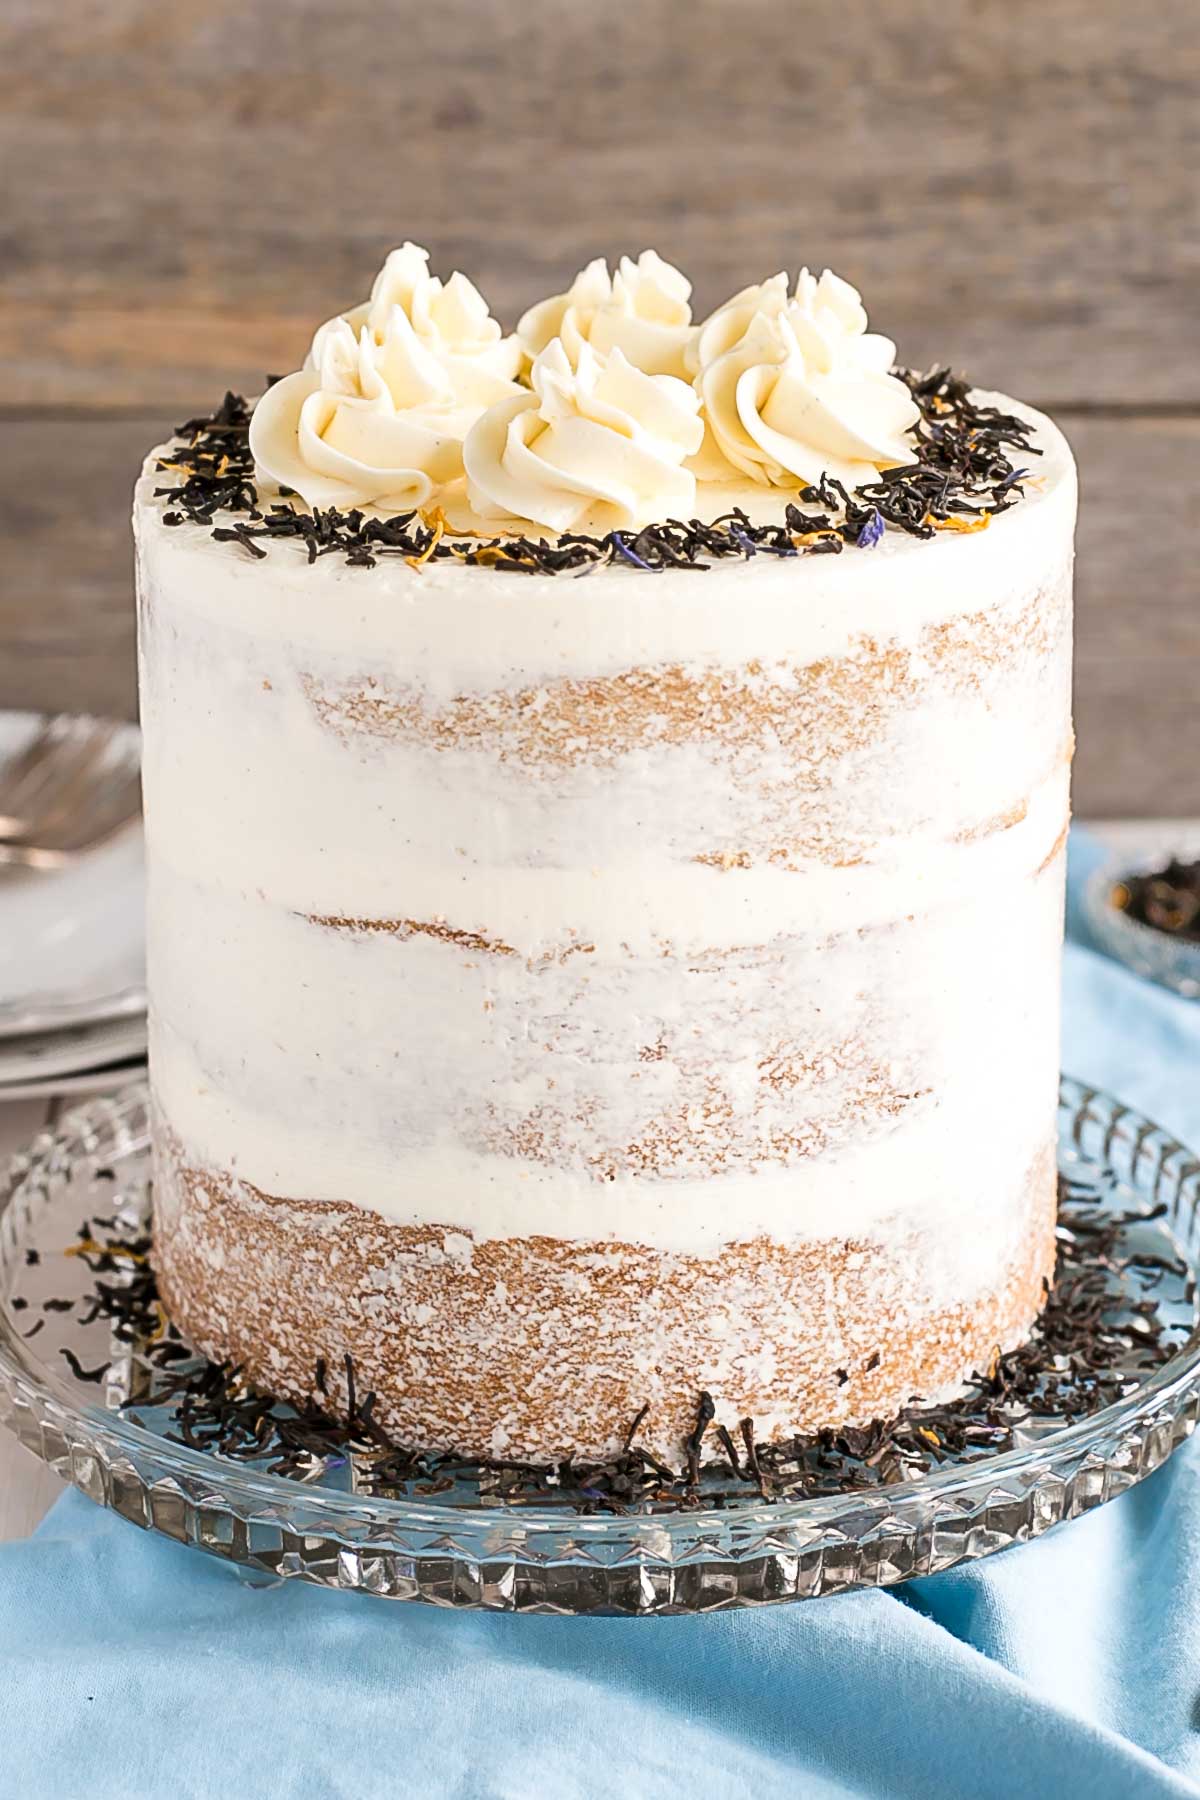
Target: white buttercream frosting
(450,318)
(642,310)
(378,414)
(795,387)
(828,301)
(582,418)
(600,434)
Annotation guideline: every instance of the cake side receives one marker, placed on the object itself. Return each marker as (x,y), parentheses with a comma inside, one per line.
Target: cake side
(690,1056)
(502,937)
(538,1348)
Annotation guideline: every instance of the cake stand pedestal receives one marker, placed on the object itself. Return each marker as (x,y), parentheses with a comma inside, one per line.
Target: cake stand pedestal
(66,1384)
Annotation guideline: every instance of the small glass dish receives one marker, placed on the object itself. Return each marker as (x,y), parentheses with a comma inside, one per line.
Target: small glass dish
(1173,962)
(67,1383)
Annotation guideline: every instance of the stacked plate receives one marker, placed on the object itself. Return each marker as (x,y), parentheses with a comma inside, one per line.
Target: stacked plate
(72,925)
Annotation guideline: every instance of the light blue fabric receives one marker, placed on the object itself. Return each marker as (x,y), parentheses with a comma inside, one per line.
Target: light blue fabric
(130,1666)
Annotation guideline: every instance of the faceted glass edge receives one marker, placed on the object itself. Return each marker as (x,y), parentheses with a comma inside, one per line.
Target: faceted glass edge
(700,1561)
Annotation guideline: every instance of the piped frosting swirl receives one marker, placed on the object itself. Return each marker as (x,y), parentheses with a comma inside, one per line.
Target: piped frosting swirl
(600,438)
(795,387)
(606,403)
(378,414)
(642,310)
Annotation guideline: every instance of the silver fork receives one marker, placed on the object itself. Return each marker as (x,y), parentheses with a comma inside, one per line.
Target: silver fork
(65,792)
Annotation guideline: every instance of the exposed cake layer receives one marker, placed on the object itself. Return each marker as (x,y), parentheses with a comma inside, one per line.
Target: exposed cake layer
(672,1096)
(533,1348)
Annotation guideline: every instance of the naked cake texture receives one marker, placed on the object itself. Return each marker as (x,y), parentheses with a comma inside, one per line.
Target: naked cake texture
(572,993)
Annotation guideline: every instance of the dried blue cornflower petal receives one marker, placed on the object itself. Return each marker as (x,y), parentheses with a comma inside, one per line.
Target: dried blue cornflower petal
(871,530)
(752,548)
(622,549)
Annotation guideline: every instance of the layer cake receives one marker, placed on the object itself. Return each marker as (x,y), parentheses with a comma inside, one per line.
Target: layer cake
(573,995)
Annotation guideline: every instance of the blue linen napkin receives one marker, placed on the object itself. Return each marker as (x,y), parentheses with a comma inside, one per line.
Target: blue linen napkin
(130,1666)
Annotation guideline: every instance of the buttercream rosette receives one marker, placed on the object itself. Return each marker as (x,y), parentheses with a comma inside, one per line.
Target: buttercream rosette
(606,403)
(378,414)
(794,387)
(643,310)
(598,438)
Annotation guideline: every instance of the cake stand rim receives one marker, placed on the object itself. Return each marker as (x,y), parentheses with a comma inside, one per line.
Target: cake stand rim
(1158,1400)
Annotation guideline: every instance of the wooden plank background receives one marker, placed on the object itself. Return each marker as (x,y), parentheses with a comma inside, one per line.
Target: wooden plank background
(1013,184)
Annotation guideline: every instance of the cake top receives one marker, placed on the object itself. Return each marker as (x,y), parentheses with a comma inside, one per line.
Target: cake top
(609,426)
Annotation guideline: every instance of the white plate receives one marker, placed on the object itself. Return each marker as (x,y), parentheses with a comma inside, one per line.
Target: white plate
(72,1052)
(73,940)
(96,1081)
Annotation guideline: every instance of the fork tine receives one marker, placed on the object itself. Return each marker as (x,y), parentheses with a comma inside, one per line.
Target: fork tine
(74,784)
(118,806)
(73,778)
(19,775)
(68,743)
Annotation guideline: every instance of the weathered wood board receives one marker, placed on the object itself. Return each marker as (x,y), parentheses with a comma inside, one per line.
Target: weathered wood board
(1014,186)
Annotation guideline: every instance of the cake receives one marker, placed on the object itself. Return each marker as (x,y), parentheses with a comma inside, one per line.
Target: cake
(606,788)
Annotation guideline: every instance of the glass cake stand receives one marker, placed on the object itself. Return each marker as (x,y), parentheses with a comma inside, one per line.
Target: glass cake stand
(459,1549)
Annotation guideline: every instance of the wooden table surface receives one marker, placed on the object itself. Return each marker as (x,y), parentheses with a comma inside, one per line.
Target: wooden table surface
(26,1486)
(1013,186)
